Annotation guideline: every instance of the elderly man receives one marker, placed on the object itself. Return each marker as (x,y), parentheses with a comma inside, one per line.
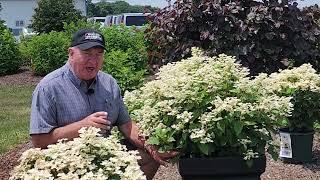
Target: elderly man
(80,95)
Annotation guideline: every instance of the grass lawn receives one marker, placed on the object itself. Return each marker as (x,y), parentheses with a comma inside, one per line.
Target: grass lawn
(15,103)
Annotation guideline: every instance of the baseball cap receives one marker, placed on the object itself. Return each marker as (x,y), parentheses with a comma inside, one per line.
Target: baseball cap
(87,38)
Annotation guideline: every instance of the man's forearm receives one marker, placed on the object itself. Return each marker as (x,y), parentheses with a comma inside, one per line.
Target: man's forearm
(97,119)
(69,132)
(131,132)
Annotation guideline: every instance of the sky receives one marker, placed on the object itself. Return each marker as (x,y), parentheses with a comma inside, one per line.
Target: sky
(154,3)
(308,2)
(163,3)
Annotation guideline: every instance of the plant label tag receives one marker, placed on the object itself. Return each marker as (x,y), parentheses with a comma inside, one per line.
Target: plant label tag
(285,145)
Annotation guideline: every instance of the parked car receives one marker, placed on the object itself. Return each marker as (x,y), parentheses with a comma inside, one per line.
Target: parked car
(101,20)
(133,19)
(114,20)
(109,20)
(28,32)
(127,19)
(25,32)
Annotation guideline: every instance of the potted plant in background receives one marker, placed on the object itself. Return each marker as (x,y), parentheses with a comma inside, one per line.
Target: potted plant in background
(212,112)
(303,85)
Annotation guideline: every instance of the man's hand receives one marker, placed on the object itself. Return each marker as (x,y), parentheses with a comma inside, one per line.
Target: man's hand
(161,158)
(98,120)
(131,131)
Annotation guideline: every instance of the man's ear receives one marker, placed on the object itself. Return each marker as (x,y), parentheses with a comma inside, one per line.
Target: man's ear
(70,52)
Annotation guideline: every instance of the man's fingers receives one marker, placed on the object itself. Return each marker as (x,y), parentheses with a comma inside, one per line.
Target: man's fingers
(161,157)
(160,161)
(102,126)
(98,120)
(102,121)
(168,155)
(102,131)
(100,113)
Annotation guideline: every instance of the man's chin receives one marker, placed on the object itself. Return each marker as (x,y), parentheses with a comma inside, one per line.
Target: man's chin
(89,78)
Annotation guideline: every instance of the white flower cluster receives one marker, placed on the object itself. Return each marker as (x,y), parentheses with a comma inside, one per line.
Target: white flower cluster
(196,97)
(302,78)
(90,156)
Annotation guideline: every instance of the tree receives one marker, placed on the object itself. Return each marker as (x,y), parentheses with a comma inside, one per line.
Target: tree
(51,14)
(264,36)
(91,8)
(2,26)
(104,8)
(121,7)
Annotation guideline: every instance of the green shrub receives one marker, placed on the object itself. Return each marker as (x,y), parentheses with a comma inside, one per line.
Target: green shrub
(126,56)
(73,27)
(47,52)
(263,35)
(120,65)
(10,59)
(24,50)
(2,26)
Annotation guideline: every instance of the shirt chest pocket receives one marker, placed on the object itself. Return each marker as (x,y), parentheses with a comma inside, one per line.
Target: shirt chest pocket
(109,105)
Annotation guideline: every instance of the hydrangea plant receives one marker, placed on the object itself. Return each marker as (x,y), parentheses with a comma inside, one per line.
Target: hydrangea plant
(90,156)
(208,107)
(303,85)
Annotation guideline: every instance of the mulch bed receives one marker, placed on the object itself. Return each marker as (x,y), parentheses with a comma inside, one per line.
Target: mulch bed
(24,77)
(10,160)
(276,170)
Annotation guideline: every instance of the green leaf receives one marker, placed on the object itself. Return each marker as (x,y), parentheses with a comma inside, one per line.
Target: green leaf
(237,127)
(171,139)
(153,140)
(204,148)
(289,91)
(221,126)
(249,123)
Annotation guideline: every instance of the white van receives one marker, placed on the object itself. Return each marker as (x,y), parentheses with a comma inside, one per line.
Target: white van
(109,20)
(133,19)
(128,19)
(101,20)
(115,20)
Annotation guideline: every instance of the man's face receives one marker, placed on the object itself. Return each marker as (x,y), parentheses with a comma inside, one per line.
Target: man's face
(86,63)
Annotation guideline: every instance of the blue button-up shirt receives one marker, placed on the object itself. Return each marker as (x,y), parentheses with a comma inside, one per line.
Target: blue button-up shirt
(61,98)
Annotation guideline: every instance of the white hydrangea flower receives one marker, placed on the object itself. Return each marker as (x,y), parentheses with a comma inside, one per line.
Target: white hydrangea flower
(200,98)
(88,157)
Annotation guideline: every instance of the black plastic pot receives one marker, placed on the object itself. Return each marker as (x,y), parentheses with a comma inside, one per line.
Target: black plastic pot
(301,147)
(226,168)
